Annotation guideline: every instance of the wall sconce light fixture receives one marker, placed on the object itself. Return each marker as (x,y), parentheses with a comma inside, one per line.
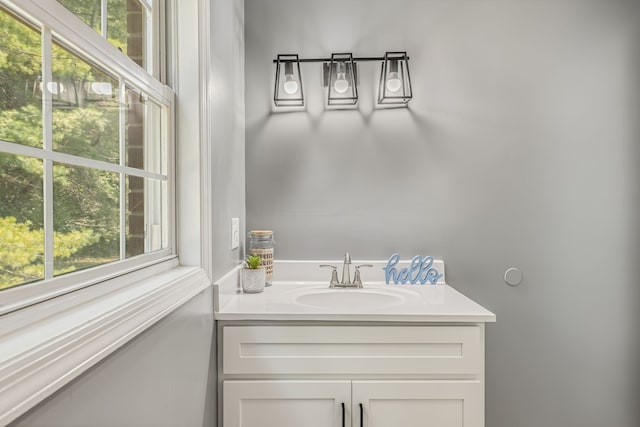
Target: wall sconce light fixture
(61,92)
(73,93)
(395,80)
(99,88)
(340,77)
(341,80)
(288,90)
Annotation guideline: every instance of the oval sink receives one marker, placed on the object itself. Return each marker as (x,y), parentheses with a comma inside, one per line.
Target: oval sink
(353,299)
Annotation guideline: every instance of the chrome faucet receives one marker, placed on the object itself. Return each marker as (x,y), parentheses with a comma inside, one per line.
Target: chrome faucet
(345,270)
(346,275)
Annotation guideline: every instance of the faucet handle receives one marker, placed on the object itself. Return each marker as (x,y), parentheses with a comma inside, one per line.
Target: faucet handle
(334,274)
(357,280)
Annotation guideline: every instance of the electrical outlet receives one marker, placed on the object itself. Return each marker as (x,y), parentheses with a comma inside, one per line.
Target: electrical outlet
(235,233)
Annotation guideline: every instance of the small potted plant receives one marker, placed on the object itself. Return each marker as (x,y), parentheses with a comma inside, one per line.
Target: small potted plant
(253,275)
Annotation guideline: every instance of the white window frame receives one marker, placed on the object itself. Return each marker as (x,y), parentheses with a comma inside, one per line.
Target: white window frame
(73,33)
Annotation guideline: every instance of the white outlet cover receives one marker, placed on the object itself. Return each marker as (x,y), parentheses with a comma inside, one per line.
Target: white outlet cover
(235,233)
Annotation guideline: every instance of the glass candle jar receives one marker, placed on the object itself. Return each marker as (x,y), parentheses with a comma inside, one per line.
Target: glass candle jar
(261,244)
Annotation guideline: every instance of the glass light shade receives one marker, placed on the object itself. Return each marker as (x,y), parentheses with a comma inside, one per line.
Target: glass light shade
(61,92)
(288,83)
(102,88)
(395,80)
(342,87)
(54,88)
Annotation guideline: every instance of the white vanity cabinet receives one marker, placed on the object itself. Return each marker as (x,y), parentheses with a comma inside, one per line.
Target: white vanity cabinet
(332,375)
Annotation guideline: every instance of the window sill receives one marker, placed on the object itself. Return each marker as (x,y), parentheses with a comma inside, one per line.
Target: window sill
(47,345)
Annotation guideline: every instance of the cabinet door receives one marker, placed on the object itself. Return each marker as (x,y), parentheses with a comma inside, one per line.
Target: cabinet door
(418,404)
(286,403)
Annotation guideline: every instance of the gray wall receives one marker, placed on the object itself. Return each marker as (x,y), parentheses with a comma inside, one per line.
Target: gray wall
(520,149)
(156,380)
(227,127)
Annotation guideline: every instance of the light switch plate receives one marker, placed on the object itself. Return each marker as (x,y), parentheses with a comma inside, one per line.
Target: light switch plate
(235,233)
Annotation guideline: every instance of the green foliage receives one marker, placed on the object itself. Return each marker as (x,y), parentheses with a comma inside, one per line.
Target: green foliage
(90,12)
(22,254)
(86,201)
(253,262)
(90,132)
(21,189)
(22,125)
(83,196)
(116,32)
(20,58)
(87,10)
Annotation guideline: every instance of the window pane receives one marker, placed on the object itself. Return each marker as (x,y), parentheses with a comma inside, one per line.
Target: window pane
(145,137)
(86,217)
(146,218)
(20,69)
(126,29)
(156,138)
(126,24)
(21,220)
(87,10)
(85,108)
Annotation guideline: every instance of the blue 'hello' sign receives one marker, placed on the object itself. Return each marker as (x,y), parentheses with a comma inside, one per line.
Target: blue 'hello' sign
(420,270)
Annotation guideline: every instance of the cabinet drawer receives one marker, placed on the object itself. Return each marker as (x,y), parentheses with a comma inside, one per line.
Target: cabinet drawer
(373,350)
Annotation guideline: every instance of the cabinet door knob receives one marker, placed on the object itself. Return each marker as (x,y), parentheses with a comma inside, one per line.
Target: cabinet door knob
(361,415)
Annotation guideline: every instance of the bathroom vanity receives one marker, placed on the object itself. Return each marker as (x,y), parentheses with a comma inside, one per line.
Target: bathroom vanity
(301,354)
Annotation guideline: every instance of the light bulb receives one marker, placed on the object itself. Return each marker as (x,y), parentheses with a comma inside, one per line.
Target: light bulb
(341,85)
(53,87)
(290,84)
(102,88)
(393,82)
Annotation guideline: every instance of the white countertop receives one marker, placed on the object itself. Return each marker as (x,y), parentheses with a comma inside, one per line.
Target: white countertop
(420,303)
(288,298)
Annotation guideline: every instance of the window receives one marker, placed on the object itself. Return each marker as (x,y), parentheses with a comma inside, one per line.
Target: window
(125,23)
(84,141)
